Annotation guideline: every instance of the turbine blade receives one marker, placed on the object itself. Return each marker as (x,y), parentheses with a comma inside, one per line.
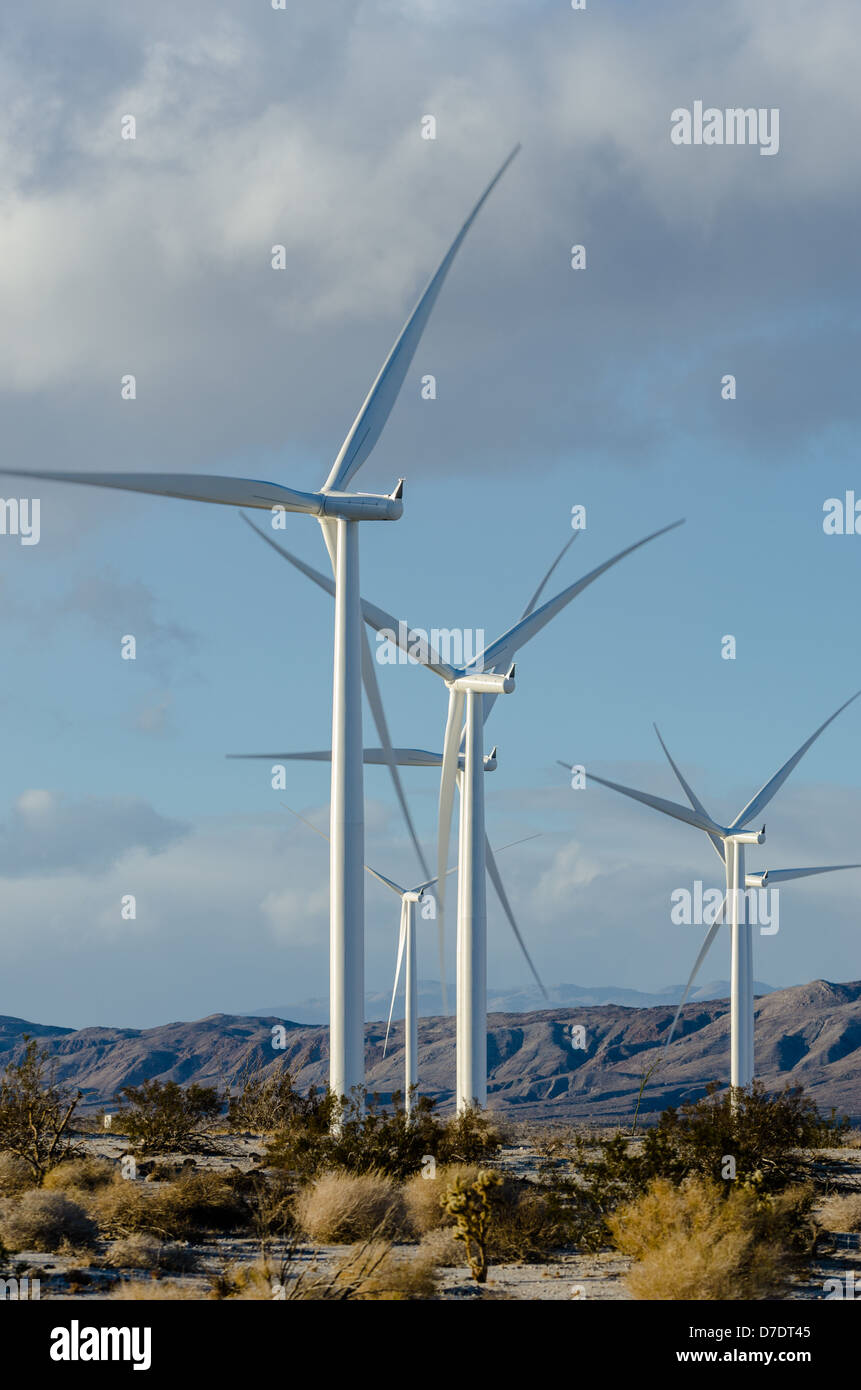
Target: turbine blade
(658,803)
(501,653)
(784,875)
(495,879)
(373,757)
(420,887)
(429,883)
(448,778)
(375,700)
(371,419)
(704,950)
(401,943)
(194,487)
(401,634)
(758,803)
(541,587)
(717,842)
(375,873)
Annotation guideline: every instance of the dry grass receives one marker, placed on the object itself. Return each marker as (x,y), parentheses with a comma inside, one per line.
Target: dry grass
(44,1221)
(841,1213)
(15,1175)
(369,1272)
(150,1290)
(79,1174)
(442,1248)
(374,1272)
(346,1207)
(196,1203)
(125,1208)
(695,1242)
(145,1252)
(423,1196)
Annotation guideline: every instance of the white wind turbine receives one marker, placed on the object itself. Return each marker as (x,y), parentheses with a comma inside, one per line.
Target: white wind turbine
(339,513)
(394,758)
(729,844)
(407,954)
(488,675)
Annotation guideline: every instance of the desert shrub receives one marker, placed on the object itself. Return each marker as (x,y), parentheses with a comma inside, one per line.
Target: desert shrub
(146,1252)
(199,1202)
(125,1208)
(194,1204)
(470,1205)
(167,1117)
(265,1103)
(442,1248)
(339,1208)
(762,1132)
(525,1225)
(698,1241)
(375,1272)
(151,1290)
(269,1199)
(423,1196)
(765,1135)
(79,1174)
(44,1221)
(841,1213)
(15,1175)
(166,1172)
(471,1136)
(370,1137)
(371,1270)
(36,1111)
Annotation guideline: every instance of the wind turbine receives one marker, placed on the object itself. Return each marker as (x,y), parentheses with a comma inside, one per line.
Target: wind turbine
(729,843)
(473,690)
(410,898)
(339,513)
(407,951)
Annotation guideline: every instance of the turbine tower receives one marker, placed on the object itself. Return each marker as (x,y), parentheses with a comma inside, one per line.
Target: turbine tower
(473,690)
(339,513)
(730,843)
(410,898)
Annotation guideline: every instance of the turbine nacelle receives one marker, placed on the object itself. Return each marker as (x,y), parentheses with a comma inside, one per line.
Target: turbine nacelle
(483,683)
(749,837)
(757,880)
(363,506)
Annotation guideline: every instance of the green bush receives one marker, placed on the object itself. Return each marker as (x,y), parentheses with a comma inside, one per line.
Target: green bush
(266,1104)
(364,1136)
(162,1116)
(36,1112)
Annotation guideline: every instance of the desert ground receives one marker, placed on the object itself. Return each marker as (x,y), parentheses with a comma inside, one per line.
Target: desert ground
(217,1262)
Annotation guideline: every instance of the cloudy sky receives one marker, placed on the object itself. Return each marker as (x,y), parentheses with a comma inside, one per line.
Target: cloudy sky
(302,127)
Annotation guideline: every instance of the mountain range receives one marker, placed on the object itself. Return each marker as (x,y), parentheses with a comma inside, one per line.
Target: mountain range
(507,1001)
(808,1034)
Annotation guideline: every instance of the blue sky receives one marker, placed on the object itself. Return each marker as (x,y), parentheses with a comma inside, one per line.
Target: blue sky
(555,387)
